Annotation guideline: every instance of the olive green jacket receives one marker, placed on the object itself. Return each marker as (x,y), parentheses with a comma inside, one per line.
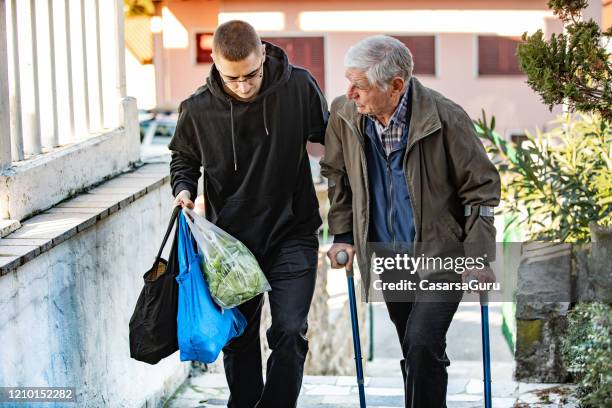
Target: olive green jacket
(445,166)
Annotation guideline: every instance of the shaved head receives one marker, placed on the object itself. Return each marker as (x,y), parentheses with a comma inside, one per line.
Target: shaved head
(235,40)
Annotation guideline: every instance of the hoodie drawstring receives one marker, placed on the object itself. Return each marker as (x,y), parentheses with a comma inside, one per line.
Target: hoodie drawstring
(265,119)
(233,137)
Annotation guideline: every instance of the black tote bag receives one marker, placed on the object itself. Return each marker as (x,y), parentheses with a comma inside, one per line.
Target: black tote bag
(153,323)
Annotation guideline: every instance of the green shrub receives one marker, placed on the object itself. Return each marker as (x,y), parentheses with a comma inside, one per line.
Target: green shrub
(558,181)
(587,352)
(573,67)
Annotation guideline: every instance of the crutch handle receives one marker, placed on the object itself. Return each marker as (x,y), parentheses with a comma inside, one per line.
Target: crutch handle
(484,296)
(342,259)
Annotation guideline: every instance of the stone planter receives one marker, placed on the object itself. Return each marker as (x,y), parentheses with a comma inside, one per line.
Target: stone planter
(551,278)
(542,302)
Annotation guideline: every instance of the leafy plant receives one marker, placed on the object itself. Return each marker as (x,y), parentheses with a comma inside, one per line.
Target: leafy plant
(571,68)
(587,352)
(559,180)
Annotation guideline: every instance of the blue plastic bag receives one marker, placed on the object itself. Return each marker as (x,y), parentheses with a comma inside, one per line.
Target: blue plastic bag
(203,326)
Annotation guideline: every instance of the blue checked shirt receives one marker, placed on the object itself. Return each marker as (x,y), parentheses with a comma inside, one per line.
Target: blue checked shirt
(391,135)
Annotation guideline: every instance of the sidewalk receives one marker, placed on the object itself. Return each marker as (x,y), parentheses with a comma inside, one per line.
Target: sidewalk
(210,390)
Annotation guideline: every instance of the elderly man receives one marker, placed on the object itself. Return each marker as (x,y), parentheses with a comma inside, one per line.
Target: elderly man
(404,164)
(247,127)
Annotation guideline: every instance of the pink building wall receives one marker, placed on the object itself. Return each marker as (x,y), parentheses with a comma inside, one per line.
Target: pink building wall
(514,104)
(180,72)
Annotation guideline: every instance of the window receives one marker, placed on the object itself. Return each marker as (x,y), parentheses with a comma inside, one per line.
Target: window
(423,49)
(497,55)
(518,139)
(306,52)
(204,48)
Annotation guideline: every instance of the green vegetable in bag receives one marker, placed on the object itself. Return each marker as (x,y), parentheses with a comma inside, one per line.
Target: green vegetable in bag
(231,270)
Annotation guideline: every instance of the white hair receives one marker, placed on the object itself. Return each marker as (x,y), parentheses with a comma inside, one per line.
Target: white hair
(382,58)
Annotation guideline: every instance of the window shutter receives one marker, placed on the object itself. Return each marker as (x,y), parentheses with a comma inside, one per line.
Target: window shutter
(497,55)
(305,52)
(423,49)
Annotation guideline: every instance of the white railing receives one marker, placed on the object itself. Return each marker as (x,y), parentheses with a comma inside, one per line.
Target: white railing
(62,73)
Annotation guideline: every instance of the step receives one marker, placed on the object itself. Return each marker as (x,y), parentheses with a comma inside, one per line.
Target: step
(210,390)
(8,226)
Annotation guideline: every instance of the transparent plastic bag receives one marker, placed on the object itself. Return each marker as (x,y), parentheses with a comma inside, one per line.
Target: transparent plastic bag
(231,270)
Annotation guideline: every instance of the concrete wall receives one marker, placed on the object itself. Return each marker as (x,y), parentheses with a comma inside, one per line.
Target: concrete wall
(65,314)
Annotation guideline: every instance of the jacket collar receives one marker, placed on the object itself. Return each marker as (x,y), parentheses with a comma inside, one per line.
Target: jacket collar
(424,118)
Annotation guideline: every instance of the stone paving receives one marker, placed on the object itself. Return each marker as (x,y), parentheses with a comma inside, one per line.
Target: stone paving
(383,378)
(210,390)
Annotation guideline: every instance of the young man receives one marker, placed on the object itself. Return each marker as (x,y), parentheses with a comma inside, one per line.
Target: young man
(403,162)
(247,128)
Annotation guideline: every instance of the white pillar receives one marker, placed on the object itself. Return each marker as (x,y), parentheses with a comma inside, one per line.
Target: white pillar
(54,139)
(69,69)
(120,44)
(129,117)
(99,65)
(15,91)
(85,74)
(32,117)
(5,135)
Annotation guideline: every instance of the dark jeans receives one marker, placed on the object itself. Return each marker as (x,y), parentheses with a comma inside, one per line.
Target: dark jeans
(421,328)
(292,277)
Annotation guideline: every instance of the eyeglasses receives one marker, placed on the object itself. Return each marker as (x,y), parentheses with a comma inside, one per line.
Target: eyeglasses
(258,73)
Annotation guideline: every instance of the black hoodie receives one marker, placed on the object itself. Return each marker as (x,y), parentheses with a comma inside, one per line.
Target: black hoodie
(257,181)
